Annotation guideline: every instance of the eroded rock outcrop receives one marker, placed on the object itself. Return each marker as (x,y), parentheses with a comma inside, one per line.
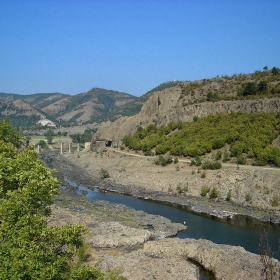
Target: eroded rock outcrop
(169,259)
(226,262)
(167,105)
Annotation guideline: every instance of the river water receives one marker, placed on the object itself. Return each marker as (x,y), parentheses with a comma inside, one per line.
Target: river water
(246,233)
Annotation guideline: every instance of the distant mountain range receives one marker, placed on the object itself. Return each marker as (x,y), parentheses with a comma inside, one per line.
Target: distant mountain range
(94,106)
(98,105)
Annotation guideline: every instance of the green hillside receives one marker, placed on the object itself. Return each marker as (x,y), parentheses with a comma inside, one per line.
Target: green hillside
(235,137)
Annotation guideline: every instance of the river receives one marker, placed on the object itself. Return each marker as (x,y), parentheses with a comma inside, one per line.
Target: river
(246,233)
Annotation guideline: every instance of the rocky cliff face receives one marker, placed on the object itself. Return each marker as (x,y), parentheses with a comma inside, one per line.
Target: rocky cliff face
(167,105)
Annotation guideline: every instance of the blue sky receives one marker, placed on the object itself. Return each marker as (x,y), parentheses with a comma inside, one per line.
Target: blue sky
(71,46)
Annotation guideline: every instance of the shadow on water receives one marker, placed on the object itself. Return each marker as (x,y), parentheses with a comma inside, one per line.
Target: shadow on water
(243,231)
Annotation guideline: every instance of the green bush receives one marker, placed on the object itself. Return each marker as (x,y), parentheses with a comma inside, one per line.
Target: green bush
(179,190)
(211,165)
(241,159)
(248,197)
(182,189)
(42,144)
(226,156)
(163,161)
(229,195)
(196,161)
(203,174)
(104,173)
(218,155)
(204,191)
(214,193)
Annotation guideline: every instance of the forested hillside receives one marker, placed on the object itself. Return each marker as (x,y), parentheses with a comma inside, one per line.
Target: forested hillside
(236,137)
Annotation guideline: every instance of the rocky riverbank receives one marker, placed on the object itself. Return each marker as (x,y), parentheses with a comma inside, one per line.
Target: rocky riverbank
(252,188)
(120,239)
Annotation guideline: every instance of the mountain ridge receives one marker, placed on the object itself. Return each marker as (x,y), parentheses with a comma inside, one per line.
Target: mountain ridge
(256,92)
(98,105)
(64,108)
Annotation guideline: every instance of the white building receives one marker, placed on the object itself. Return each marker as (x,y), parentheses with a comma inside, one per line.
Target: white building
(46,122)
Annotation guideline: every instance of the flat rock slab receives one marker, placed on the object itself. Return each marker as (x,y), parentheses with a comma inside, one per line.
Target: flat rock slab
(225,261)
(139,265)
(115,234)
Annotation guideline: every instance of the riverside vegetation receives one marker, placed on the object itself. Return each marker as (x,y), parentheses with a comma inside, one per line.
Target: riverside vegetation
(29,248)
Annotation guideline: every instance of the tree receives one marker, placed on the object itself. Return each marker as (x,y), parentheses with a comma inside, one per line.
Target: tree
(29,248)
(262,86)
(250,89)
(42,144)
(265,68)
(49,135)
(214,193)
(274,71)
(9,134)
(76,138)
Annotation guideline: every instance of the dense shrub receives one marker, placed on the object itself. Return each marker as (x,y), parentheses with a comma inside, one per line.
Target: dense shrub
(42,144)
(214,193)
(241,159)
(211,165)
(229,195)
(248,197)
(204,191)
(196,161)
(163,161)
(104,173)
